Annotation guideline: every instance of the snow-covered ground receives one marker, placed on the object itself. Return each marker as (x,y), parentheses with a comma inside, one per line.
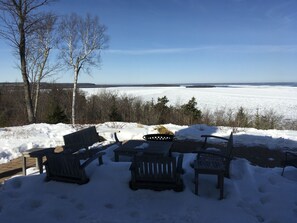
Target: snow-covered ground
(15,140)
(252,194)
(282,99)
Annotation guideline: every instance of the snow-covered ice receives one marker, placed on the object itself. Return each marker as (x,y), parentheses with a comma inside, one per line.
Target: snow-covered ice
(281,99)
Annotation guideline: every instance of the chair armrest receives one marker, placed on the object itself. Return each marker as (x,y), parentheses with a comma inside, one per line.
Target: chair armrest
(214,136)
(101,148)
(211,136)
(116,138)
(291,154)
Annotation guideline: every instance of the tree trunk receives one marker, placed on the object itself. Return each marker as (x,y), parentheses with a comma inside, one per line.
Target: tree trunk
(36,98)
(27,90)
(76,70)
(46,54)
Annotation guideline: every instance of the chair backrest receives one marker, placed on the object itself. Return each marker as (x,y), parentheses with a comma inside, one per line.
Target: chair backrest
(61,165)
(158,137)
(81,139)
(156,168)
(229,147)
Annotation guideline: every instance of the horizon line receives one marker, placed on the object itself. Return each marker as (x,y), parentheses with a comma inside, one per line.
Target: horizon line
(223,48)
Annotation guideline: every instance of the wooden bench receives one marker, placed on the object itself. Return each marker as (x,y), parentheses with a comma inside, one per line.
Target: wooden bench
(156,173)
(80,141)
(214,162)
(77,142)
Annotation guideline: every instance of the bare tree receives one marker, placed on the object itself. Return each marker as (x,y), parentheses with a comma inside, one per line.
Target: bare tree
(20,19)
(81,42)
(38,52)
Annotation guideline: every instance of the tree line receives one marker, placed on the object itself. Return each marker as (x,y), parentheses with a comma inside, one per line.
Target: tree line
(109,106)
(33,33)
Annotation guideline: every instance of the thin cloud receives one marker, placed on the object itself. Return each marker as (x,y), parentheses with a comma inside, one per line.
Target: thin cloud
(157,51)
(215,48)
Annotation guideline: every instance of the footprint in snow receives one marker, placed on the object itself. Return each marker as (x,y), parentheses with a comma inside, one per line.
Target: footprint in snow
(35,204)
(272,180)
(109,206)
(134,214)
(262,189)
(80,206)
(265,199)
(16,183)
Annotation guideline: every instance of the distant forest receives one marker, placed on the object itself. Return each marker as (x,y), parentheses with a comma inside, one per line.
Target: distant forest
(55,107)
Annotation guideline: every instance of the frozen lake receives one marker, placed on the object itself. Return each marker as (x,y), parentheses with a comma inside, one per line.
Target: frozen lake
(282,99)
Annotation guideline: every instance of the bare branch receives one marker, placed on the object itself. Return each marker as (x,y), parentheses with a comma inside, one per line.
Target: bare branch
(81,42)
(21,19)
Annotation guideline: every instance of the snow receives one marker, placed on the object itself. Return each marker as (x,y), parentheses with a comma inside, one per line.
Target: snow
(252,194)
(282,99)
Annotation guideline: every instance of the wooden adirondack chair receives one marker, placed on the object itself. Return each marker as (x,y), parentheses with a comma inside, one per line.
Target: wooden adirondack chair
(156,173)
(68,168)
(214,163)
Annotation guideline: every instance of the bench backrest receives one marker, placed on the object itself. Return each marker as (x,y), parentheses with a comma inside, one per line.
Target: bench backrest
(156,168)
(81,139)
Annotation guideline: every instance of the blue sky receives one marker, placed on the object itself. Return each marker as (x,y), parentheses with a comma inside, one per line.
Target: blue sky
(186,41)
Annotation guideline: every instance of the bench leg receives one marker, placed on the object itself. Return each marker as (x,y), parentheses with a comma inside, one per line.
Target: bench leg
(24,165)
(283,170)
(116,157)
(39,164)
(100,160)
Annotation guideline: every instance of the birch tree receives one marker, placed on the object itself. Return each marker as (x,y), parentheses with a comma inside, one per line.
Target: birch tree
(81,41)
(20,19)
(39,47)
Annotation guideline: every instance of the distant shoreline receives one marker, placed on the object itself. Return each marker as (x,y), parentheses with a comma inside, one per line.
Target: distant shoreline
(90,85)
(45,85)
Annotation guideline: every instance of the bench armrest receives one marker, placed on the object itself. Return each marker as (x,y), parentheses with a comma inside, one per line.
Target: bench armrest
(91,159)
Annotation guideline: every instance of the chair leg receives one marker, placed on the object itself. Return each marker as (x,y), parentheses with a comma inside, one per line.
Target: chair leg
(100,160)
(283,171)
(196,182)
(221,182)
